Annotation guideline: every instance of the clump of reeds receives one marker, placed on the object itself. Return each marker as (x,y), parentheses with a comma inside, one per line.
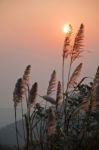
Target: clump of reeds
(22,91)
(59,121)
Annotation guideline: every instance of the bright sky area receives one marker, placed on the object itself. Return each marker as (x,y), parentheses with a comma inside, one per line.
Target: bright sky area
(31,33)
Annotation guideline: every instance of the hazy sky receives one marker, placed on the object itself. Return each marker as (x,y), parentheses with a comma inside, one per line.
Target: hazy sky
(31,33)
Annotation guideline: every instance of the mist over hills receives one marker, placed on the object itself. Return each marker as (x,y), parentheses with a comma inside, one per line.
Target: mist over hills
(7,116)
(8,134)
(7,127)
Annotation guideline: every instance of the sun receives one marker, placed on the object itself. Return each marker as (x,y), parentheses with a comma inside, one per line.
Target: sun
(67,28)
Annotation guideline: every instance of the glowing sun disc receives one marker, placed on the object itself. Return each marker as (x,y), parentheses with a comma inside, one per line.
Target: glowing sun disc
(66,28)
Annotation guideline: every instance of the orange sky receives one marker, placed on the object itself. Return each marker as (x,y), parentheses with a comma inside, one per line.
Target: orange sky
(31,33)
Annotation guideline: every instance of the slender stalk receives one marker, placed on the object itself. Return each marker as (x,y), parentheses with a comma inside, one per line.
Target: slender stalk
(23,120)
(41,137)
(69,72)
(27,117)
(26,99)
(27,132)
(31,135)
(63,76)
(63,82)
(29,120)
(66,100)
(16,128)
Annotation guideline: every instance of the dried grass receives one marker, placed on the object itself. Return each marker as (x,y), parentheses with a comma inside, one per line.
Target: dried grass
(52,83)
(73,79)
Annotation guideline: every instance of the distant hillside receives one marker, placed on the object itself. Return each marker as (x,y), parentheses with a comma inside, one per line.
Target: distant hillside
(8,135)
(7,127)
(3,147)
(6,116)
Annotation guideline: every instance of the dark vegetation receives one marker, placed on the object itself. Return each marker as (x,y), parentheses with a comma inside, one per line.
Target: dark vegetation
(3,147)
(67,121)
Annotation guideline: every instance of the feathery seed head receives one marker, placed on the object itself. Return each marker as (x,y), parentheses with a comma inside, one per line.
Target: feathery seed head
(26,75)
(59,95)
(73,79)
(51,122)
(33,93)
(95,86)
(67,46)
(52,83)
(18,91)
(49,99)
(96,79)
(77,47)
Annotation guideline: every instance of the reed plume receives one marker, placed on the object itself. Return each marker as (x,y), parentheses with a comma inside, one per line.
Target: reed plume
(95,92)
(50,89)
(18,91)
(52,83)
(67,42)
(73,79)
(26,75)
(92,97)
(95,86)
(51,122)
(33,93)
(49,99)
(17,98)
(96,79)
(59,95)
(84,105)
(66,52)
(87,102)
(77,47)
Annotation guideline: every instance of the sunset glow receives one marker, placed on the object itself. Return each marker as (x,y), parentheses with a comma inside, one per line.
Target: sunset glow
(33,32)
(66,28)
